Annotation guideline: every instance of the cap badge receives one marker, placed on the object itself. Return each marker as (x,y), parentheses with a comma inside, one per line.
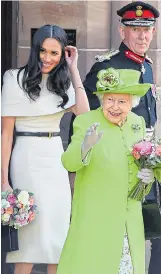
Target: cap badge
(139,11)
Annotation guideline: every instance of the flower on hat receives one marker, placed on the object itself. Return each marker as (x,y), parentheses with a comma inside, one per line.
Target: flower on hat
(108,78)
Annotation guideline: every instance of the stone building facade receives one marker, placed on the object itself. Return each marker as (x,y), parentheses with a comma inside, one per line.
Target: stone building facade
(96,26)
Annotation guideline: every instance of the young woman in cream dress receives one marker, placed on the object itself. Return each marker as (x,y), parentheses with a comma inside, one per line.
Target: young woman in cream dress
(34,99)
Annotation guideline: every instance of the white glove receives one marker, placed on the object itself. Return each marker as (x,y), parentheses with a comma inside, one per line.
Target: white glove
(146,175)
(91,138)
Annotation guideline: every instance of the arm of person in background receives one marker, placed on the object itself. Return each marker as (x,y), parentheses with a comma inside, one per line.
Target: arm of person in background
(90,86)
(8,100)
(81,100)
(6,148)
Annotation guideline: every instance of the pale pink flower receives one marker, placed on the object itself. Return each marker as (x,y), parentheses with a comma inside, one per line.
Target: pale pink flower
(143,148)
(158,151)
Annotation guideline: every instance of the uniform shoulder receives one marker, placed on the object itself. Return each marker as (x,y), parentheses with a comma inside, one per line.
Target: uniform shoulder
(107,56)
(104,61)
(148,59)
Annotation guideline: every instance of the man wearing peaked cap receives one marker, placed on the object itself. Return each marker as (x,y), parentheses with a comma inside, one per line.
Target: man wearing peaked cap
(136,39)
(138,14)
(136,30)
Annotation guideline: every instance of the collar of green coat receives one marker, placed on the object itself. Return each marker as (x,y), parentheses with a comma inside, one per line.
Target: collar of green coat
(132,119)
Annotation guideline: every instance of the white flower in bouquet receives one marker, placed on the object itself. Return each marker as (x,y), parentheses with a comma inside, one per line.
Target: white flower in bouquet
(4,203)
(23,197)
(5,217)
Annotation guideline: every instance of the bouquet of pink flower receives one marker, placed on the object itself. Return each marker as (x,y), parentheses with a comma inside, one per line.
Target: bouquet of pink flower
(147,155)
(17,208)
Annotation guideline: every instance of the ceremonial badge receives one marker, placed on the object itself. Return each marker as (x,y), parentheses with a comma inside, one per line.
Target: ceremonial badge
(139,11)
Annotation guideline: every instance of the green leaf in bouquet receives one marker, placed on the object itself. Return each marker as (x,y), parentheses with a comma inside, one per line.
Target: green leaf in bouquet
(16,191)
(159,141)
(158,160)
(31,194)
(15,211)
(153,163)
(158,165)
(137,163)
(4,194)
(137,192)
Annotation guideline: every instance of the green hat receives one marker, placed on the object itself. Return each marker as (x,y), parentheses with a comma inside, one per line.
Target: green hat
(120,81)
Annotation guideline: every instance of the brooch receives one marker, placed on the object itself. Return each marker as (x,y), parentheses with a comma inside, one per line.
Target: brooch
(136,127)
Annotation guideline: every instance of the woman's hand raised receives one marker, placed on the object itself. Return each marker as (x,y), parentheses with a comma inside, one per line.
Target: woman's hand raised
(71,56)
(91,138)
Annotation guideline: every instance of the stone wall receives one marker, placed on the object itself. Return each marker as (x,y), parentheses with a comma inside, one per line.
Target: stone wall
(96,23)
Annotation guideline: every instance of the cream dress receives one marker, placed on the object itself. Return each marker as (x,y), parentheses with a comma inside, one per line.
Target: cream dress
(36,167)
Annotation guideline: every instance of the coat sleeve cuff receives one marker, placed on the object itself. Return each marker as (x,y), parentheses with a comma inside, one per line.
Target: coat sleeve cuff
(87,158)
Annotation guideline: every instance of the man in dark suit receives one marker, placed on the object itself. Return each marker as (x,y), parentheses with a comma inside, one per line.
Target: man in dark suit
(136,31)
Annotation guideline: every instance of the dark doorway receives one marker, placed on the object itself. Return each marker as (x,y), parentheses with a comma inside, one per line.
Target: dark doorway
(9,15)
(71,34)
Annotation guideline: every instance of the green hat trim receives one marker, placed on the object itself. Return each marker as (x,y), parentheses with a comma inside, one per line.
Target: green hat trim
(125,81)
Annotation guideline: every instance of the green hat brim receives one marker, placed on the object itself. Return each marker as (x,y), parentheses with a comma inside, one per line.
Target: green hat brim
(139,90)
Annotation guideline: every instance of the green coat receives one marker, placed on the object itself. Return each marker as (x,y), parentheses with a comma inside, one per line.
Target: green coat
(100,208)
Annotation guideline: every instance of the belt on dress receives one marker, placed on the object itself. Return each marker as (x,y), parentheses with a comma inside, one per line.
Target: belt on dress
(38,134)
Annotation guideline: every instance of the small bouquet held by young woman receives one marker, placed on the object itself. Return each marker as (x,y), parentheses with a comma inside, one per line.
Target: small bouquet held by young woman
(17,208)
(147,154)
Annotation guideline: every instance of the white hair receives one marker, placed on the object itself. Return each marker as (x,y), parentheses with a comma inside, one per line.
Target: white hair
(135,99)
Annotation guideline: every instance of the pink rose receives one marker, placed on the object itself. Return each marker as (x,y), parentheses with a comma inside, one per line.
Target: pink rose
(158,151)
(23,222)
(2,211)
(143,148)
(11,199)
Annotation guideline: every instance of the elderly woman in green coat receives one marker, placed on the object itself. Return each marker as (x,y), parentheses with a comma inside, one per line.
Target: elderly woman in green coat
(106,234)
